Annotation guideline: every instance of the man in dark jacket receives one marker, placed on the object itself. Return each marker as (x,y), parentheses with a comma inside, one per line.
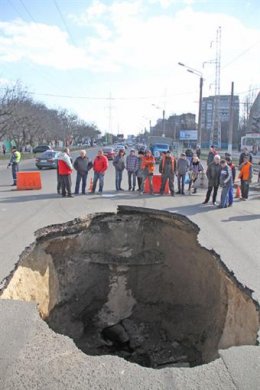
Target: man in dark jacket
(211,155)
(119,164)
(213,174)
(82,166)
(167,168)
(243,154)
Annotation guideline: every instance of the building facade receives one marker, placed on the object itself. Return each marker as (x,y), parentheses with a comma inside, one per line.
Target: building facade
(173,125)
(207,115)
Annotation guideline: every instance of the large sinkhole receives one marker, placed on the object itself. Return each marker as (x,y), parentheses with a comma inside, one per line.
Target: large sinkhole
(136,284)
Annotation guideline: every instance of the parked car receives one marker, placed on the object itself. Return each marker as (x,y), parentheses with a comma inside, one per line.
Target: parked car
(109,152)
(41,148)
(48,159)
(119,147)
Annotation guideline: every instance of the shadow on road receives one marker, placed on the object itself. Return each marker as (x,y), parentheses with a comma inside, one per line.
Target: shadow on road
(192,209)
(242,218)
(28,198)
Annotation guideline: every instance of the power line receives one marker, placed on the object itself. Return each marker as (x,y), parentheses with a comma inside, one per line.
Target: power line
(241,54)
(16,10)
(64,22)
(27,11)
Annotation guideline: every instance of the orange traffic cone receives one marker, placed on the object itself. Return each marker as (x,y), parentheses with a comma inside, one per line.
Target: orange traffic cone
(91,185)
(238,192)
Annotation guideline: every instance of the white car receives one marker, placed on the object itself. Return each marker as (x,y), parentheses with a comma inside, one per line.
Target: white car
(119,147)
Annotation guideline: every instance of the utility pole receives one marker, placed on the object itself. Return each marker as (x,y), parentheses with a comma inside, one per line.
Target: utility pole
(231,119)
(200,108)
(163,124)
(215,134)
(197,73)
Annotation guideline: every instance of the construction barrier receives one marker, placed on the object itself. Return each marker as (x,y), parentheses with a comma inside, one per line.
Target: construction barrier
(157,181)
(238,192)
(28,181)
(91,185)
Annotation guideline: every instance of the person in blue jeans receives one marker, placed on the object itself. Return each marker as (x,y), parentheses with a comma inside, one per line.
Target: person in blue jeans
(100,166)
(225,181)
(119,164)
(233,171)
(82,166)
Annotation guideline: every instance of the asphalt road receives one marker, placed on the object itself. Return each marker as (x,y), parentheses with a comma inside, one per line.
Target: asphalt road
(232,232)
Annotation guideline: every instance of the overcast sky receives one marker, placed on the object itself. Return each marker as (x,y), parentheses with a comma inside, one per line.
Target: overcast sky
(75,54)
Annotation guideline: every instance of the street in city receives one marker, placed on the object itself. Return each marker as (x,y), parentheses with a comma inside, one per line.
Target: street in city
(231,232)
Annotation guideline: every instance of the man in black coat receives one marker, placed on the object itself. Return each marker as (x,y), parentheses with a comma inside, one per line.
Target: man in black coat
(213,175)
(82,166)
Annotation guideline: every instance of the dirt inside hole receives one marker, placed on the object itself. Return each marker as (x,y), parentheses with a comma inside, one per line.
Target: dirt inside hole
(136,284)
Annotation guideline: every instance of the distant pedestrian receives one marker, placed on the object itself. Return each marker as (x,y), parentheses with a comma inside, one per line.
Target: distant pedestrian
(148,163)
(233,171)
(225,181)
(82,166)
(119,164)
(211,155)
(4,149)
(132,168)
(100,166)
(139,173)
(189,154)
(198,151)
(14,163)
(182,168)
(244,153)
(65,169)
(194,169)
(167,168)
(213,174)
(245,175)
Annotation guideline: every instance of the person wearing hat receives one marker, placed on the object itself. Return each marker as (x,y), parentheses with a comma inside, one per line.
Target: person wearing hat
(14,163)
(183,165)
(211,155)
(194,170)
(225,181)
(167,168)
(148,163)
(132,168)
(245,175)
(213,175)
(233,170)
(119,164)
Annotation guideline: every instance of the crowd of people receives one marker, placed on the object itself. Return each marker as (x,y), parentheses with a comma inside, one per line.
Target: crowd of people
(220,173)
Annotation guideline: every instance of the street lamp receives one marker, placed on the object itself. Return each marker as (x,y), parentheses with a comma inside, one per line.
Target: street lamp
(163,119)
(197,73)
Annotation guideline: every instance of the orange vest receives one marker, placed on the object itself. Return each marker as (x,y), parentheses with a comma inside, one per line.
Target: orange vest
(246,171)
(148,162)
(172,162)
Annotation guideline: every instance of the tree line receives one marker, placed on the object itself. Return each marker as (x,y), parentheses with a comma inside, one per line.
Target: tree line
(28,122)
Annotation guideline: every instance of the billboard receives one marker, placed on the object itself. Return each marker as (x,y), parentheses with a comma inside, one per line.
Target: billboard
(188,135)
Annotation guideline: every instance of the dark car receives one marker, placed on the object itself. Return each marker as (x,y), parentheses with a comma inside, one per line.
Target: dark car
(109,152)
(41,148)
(48,159)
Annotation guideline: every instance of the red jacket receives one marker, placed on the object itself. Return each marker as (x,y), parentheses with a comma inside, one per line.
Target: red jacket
(100,164)
(63,168)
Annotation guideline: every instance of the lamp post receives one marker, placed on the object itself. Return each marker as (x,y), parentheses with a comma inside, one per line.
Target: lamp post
(197,73)
(163,119)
